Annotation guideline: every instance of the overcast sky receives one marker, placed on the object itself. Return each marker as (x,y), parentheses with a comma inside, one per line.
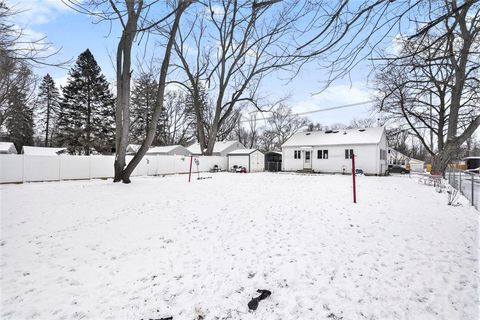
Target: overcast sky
(72,33)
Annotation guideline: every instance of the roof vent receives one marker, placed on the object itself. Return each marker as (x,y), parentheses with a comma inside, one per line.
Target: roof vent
(328,131)
(361,130)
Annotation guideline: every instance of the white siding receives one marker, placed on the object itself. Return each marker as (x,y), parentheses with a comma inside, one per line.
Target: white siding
(367,159)
(239,161)
(257,161)
(254,162)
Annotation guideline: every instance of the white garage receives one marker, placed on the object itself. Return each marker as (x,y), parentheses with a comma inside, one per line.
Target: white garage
(251,159)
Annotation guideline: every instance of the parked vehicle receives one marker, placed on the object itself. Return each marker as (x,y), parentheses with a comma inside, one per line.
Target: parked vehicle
(398,169)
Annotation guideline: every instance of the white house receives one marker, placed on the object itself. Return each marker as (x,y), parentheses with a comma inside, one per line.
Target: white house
(7,148)
(397,158)
(331,151)
(43,151)
(221,148)
(251,159)
(169,150)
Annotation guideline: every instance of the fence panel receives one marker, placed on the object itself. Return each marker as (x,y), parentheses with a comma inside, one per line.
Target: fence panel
(11,168)
(26,168)
(102,166)
(74,167)
(467,183)
(41,168)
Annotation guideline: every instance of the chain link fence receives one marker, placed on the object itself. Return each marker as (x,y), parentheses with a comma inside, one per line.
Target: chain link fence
(467,183)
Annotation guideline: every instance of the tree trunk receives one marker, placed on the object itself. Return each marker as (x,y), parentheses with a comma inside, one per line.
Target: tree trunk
(160,95)
(89,128)
(442,158)
(122,109)
(48,117)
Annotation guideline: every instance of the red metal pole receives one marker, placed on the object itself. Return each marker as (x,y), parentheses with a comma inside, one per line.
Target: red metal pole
(354,184)
(190,171)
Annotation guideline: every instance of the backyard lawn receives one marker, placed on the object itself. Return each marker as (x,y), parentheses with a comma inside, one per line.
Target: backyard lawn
(162,247)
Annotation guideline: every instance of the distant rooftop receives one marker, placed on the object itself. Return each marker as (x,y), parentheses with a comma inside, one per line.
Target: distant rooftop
(219,146)
(242,151)
(43,151)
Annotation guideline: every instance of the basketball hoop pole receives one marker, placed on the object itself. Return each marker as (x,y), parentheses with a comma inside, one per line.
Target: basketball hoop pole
(190,171)
(353,175)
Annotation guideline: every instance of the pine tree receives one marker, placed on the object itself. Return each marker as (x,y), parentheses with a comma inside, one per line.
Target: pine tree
(47,107)
(20,124)
(143,99)
(87,116)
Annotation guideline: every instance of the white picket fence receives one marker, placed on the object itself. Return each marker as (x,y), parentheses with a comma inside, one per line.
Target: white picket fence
(27,168)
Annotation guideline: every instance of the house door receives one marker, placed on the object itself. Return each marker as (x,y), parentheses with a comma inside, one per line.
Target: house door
(307,162)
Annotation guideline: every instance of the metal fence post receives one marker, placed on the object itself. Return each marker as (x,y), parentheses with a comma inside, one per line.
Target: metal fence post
(473,187)
(460,187)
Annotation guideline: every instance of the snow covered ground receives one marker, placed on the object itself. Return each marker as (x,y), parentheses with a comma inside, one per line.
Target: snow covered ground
(162,247)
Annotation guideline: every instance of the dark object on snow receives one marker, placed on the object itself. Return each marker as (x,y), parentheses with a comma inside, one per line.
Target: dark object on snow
(264,294)
(167,318)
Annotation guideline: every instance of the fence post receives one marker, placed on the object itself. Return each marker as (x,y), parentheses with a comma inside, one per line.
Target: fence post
(473,188)
(460,183)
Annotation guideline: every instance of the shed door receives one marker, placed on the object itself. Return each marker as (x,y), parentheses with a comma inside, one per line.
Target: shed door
(307,160)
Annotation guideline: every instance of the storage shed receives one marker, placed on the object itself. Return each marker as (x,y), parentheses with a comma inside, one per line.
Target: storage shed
(252,159)
(169,150)
(7,148)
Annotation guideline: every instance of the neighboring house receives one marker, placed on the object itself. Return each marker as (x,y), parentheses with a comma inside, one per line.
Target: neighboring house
(396,158)
(43,151)
(7,148)
(169,150)
(331,151)
(251,159)
(133,148)
(221,148)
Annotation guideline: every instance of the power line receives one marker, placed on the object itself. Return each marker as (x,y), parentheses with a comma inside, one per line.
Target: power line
(322,110)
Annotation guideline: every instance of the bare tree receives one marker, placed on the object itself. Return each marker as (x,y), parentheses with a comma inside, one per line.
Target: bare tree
(248,130)
(179,121)
(132,16)
(180,7)
(280,126)
(432,85)
(236,45)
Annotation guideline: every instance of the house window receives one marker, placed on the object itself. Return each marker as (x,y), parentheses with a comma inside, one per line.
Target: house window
(348,153)
(322,154)
(296,154)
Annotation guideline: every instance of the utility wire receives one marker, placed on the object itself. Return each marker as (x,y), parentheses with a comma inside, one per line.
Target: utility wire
(321,110)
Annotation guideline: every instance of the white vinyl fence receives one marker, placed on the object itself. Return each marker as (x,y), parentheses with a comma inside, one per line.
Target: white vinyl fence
(16,168)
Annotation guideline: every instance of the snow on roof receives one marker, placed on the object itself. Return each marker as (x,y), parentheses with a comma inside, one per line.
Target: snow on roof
(7,147)
(336,137)
(219,146)
(165,149)
(133,148)
(42,151)
(242,151)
